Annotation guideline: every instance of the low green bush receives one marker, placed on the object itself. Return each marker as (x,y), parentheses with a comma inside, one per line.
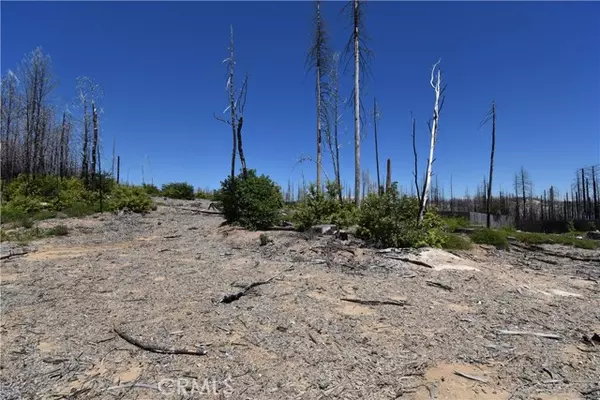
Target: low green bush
(205,194)
(454,223)
(151,189)
(453,241)
(254,202)
(178,190)
(58,230)
(133,198)
(324,208)
(568,239)
(389,220)
(490,236)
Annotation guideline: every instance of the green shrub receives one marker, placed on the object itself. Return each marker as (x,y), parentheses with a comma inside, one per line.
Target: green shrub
(491,237)
(454,223)
(151,189)
(254,202)
(389,220)
(452,241)
(58,230)
(205,194)
(41,186)
(178,190)
(264,239)
(319,207)
(134,198)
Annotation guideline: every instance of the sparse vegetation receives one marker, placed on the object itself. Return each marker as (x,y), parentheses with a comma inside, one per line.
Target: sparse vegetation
(453,241)
(264,239)
(151,189)
(391,220)
(454,223)
(490,236)
(58,230)
(178,190)
(254,202)
(324,208)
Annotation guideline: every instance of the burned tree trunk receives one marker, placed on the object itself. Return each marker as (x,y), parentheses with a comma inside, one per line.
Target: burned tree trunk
(388,182)
(94,144)
(375,117)
(436,84)
(489,188)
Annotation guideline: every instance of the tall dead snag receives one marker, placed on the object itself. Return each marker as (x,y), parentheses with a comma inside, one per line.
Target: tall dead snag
(595,189)
(318,59)
(375,118)
(94,144)
(388,182)
(436,83)
(416,170)
(118,169)
(333,140)
(236,105)
(231,88)
(488,198)
(357,47)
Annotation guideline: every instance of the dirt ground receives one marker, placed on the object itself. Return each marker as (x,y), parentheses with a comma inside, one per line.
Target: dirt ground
(159,279)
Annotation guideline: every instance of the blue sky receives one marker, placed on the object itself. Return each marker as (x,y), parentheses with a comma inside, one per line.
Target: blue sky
(160,65)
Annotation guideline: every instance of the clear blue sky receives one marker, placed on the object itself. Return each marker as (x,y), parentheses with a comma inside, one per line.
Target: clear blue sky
(161,68)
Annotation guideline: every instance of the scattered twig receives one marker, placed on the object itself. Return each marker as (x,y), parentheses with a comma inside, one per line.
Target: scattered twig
(439,285)
(471,377)
(157,349)
(134,385)
(172,236)
(409,260)
(376,302)
(590,391)
(163,250)
(528,333)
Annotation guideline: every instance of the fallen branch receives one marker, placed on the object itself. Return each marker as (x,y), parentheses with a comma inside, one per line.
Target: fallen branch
(197,210)
(172,236)
(539,249)
(471,377)
(157,349)
(11,254)
(439,285)
(528,333)
(376,302)
(409,260)
(236,296)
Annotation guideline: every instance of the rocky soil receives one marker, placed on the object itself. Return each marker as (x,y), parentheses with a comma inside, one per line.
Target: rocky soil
(163,306)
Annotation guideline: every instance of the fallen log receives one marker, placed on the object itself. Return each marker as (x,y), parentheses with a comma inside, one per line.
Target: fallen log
(376,302)
(199,211)
(11,254)
(539,249)
(157,348)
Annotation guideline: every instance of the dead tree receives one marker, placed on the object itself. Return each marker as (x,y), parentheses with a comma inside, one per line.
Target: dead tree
(488,203)
(94,144)
(375,118)
(357,47)
(237,101)
(416,169)
(318,58)
(595,189)
(436,83)
(388,181)
(333,139)
(118,168)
